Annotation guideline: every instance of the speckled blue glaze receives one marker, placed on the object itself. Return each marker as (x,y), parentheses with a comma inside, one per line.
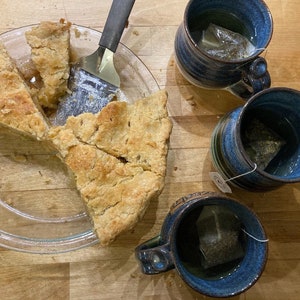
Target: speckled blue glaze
(228,153)
(164,246)
(243,77)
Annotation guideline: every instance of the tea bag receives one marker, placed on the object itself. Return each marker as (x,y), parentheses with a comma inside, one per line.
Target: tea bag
(219,230)
(261,143)
(225,44)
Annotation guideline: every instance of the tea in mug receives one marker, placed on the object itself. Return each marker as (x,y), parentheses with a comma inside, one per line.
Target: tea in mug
(222,35)
(222,43)
(271,145)
(211,243)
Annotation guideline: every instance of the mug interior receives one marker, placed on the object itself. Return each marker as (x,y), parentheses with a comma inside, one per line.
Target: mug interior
(251,19)
(229,278)
(211,260)
(273,119)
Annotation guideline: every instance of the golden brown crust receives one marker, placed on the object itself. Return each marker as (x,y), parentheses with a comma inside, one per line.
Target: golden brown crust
(118,156)
(50,53)
(136,133)
(116,194)
(17,109)
(115,185)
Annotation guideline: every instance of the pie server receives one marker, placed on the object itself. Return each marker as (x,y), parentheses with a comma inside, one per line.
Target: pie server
(94,80)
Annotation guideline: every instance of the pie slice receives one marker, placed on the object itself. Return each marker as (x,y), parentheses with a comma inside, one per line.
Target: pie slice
(118,158)
(50,53)
(17,109)
(135,133)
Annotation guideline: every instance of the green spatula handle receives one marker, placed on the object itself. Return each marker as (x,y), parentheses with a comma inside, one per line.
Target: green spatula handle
(115,23)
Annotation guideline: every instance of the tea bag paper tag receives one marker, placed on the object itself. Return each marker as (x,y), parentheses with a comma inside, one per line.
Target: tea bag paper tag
(220,182)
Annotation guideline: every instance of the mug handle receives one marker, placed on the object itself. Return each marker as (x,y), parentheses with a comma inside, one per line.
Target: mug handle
(255,78)
(154,258)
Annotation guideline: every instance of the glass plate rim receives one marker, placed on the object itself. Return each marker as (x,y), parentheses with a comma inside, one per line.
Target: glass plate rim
(67,243)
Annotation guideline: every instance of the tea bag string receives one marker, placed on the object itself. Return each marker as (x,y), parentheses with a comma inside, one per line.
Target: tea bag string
(221,183)
(255,238)
(241,175)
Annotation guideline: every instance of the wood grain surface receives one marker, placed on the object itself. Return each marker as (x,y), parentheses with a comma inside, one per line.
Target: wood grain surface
(113,272)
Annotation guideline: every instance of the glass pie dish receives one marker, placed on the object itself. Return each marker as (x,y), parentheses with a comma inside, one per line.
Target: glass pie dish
(40,208)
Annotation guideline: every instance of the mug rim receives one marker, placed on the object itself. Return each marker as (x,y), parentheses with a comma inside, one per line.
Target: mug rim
(206,284)
(229,62)
(239,139)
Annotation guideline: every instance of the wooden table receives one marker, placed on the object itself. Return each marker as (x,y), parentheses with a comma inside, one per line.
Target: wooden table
(113,273)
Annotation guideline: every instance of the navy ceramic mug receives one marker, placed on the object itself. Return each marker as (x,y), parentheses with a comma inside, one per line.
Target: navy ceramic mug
(242,76)
(258,144)
(190,242)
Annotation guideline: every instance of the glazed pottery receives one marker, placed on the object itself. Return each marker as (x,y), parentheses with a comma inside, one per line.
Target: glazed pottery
(279,110)
(243,77)
(177,246)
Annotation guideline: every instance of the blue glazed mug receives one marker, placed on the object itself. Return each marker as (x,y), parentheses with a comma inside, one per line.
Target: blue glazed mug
(258,145)
(179,246)
(243,76)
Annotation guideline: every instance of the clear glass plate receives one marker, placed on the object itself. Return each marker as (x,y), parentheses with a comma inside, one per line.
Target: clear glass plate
(40,209)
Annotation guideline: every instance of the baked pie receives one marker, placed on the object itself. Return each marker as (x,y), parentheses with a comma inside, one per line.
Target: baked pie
(117,156)
(50,54)
(17,108)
